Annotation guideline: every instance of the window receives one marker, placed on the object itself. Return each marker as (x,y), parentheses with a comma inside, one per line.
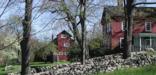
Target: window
(148,42)
(63,36)
(122,25)
(148,26)
(108,28)
(66,45)
(121,42)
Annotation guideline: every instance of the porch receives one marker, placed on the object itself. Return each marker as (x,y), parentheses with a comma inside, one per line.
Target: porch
(144,41)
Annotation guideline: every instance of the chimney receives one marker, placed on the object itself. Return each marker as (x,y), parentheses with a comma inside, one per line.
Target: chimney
(120,3)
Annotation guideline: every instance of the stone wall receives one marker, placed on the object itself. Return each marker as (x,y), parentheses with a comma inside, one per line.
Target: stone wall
(100,64)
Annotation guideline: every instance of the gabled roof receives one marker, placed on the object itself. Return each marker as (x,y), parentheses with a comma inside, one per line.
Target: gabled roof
(142,12)
(65,32)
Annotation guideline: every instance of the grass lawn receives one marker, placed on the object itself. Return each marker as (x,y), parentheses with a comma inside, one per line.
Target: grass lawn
(40,64)
(147,70)
(16,68)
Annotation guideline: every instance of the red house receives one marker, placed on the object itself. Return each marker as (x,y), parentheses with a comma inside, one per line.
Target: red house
(144,27)
(63,41)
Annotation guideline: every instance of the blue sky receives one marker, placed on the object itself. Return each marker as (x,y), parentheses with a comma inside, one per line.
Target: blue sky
(54,27)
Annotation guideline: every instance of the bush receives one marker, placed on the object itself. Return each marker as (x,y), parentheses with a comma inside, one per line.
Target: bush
(74,53)
(45,53)
(8,58)
(95,47)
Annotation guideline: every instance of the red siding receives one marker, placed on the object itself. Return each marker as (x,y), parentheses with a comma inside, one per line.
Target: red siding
(60,45)
(117,32)
(61,42)
(62,57)
(154,27)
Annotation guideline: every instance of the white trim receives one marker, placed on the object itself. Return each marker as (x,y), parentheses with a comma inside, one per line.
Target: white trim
(63,36)
(122,25)
(66,44)
(150,42)
(108,28)
(146,23)
(147,34)
(140,43)
(121,38)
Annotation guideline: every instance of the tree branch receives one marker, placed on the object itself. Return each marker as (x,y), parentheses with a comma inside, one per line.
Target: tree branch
(5,8)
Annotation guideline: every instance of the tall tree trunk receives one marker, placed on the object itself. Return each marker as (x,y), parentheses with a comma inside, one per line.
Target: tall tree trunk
(128,28)
(25,43)
(81,38)
(83,29)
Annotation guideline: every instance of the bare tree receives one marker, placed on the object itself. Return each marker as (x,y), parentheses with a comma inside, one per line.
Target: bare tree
(25,43)
(82,17)
(75,17)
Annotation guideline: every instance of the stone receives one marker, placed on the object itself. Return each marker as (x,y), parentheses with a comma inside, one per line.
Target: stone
(99,64)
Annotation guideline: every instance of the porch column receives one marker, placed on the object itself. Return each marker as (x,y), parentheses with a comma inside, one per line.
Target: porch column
(140,43)
(150,42)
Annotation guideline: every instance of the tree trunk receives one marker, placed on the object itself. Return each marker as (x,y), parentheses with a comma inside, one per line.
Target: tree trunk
(83,29)
(81,38)
(128,28)
(25,43)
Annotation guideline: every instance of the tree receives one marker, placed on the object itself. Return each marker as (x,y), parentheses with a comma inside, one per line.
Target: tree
(128,6)
(82,17)
(43,49)
(5,4)
(75,16)
(25,43)
(15,25)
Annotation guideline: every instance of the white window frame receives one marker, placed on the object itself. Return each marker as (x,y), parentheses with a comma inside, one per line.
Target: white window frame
(108,27)
(146,23)
(122,25)
(63,36)
(66,45)
(121,38)
(150,41)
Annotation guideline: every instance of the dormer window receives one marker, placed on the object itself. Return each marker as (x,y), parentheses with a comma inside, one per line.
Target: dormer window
(148,26)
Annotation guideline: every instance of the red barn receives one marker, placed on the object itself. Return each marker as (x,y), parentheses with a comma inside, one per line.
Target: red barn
(144,27)
(63,41)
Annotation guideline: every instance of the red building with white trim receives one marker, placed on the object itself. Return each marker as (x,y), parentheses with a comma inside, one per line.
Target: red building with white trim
(64,41)
(144,27)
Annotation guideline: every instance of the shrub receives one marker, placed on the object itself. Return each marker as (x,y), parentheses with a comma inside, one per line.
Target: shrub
(8,58)
(45,52)
(74,53)
(95,47)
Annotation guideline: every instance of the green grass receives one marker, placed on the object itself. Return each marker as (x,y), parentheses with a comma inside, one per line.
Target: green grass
(42,64)
(16,68)
(147,70)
